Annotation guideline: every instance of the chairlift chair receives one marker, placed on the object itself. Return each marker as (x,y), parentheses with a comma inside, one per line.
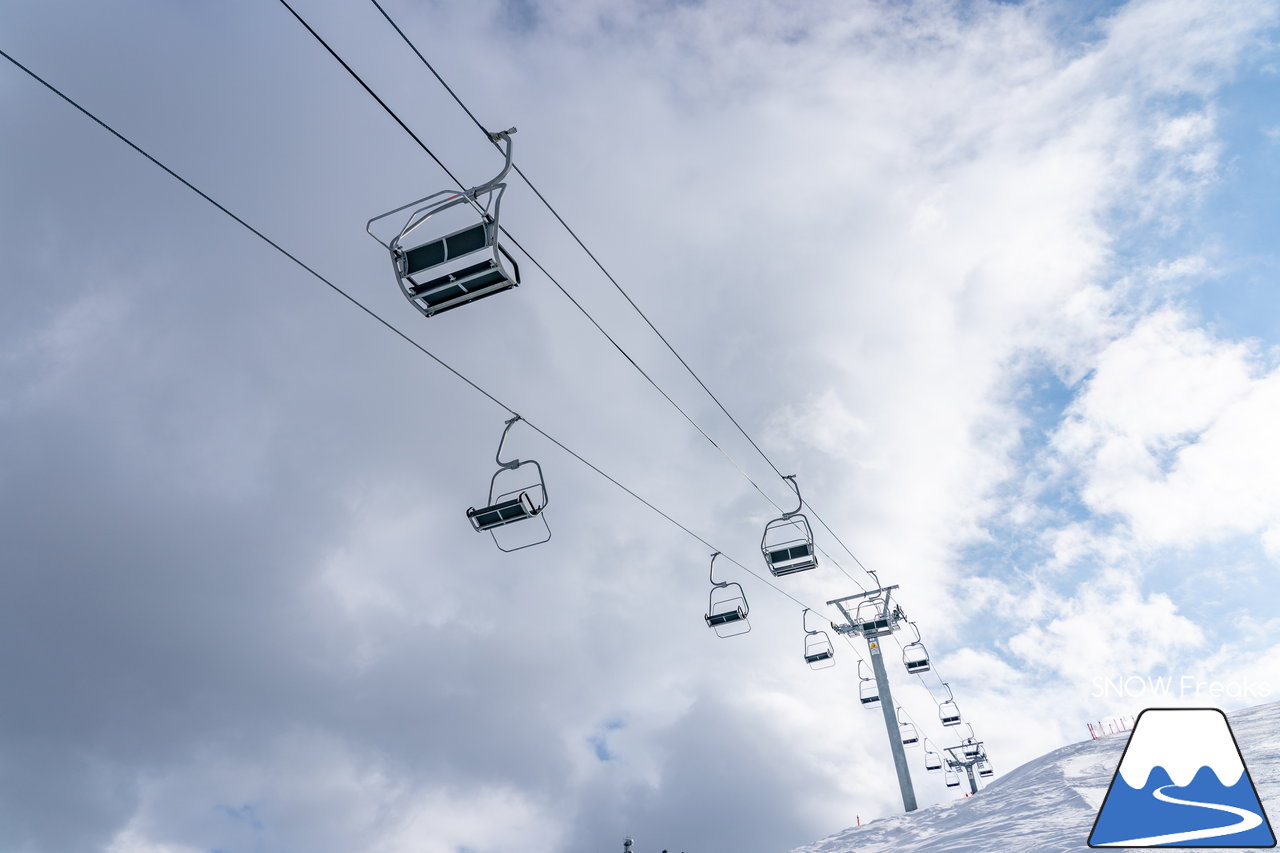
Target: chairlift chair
(871,618)
(907,731)
(727,607)
(984,769)
(818,651)
(513,497)
(951,778)
(448,253)
(914,655)
(787,543)
(932,758)
(948,710)
(868,690)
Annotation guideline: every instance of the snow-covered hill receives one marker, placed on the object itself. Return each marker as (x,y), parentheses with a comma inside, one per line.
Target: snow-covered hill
(1048,805)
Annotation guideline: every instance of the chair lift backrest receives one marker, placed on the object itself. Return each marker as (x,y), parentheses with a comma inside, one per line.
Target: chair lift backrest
(466,263)
(792,551)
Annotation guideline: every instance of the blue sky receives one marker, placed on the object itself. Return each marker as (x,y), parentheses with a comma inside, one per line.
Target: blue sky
(996,281)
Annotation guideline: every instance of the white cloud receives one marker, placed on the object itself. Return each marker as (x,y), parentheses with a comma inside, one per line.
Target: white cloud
(860,223)
(1173,433)
(485,821)
(131,840)
(1109,626)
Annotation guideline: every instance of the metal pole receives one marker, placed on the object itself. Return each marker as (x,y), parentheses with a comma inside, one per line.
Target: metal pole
(973,783)
(891,726)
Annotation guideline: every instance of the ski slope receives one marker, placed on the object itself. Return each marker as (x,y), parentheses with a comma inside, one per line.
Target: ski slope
(1048,805)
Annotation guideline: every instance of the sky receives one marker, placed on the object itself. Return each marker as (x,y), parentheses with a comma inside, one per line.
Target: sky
(996,281)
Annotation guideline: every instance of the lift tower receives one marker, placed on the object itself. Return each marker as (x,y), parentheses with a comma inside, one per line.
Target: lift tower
(963,757)
(873,617)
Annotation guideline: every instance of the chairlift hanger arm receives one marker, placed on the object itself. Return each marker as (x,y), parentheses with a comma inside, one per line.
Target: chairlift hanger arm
(791,478)
(494,136)
(804,621)
(712,571)
(514,463)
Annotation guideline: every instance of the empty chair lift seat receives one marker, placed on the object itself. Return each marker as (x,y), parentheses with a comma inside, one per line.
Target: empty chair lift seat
(790,558)
(914,655)
(517,492)
(727,606)
(419,269)
(504,512)
(877,627)
(448,252)
(725,617)
(787,543)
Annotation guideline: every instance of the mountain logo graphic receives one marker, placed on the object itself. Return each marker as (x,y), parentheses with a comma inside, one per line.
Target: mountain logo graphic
(1182,783)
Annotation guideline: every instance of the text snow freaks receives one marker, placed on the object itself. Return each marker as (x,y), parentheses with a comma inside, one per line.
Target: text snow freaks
(1186,686)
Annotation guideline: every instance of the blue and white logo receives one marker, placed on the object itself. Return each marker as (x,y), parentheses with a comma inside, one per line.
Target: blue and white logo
(1182,783)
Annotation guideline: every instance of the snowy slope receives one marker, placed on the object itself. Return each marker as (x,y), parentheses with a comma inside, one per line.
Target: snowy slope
(1048,804)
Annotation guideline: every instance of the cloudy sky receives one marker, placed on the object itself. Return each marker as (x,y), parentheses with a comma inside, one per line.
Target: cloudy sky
(997,281)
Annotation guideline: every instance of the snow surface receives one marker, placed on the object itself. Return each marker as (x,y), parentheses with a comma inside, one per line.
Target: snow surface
(1049,804)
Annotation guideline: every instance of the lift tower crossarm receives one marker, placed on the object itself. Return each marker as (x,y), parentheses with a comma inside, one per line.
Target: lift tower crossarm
(965,756)
(884,614)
